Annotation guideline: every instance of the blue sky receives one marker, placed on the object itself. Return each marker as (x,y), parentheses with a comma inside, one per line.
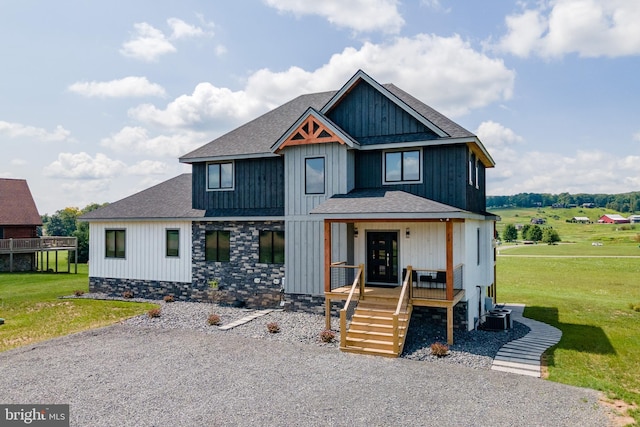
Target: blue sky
(99,99)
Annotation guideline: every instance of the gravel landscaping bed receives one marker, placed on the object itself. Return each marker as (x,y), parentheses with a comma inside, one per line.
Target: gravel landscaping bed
(474,349)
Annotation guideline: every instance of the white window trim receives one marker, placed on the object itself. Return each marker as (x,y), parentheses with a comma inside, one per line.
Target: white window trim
(420,166)
(477,174)
(233,175)
(166,243)
(470,167)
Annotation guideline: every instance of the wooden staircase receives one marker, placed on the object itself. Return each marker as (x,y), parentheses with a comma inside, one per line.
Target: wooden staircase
(371,330)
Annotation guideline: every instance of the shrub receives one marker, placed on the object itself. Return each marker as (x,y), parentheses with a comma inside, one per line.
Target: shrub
(327,335)
(273,327)
(439,349)
(78,292)
(637,238)
(214,320)
(635,307)
(154,312)
(127,294)
(168,298)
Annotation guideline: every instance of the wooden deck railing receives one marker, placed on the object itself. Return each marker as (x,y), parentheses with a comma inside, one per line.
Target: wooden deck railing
(37,244)
(431,283)
(358,283)
(403,303)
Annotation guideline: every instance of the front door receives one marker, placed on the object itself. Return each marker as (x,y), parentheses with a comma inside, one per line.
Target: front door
(382,257)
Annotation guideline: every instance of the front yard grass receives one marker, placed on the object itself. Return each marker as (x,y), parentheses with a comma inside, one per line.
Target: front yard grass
(33,312)
(589,300)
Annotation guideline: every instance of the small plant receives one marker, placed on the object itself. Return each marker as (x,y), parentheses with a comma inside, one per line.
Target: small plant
(154,312)
(439,349)
(78,292)
(169,298)
(273,327)
(213,284)
(327,335)
(214,320)
(635,307)
(127,294)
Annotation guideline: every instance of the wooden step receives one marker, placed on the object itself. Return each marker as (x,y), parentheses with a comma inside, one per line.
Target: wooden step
(369,351)
(370,343)
(374,335)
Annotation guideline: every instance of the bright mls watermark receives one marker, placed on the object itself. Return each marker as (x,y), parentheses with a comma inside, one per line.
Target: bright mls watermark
(34,415)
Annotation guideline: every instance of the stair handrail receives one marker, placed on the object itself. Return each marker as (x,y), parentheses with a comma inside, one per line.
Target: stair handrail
(405,284)
(343,311)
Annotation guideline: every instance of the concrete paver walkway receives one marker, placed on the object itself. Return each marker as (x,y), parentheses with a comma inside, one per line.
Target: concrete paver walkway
(245,319)
(522,356)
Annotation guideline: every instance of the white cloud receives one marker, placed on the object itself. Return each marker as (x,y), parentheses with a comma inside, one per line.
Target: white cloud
(147,43)
(590,28)
(359,15)
(137,140)
(499,142)
(131,86)
(148,167)
(180,29)
(83,166)
(636,136)
(444,72)
(17,130)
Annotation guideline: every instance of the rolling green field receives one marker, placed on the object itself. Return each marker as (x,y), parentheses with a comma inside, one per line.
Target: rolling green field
(587,292)
(33,312)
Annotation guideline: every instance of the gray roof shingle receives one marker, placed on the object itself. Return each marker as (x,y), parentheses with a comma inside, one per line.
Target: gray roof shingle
(168,200)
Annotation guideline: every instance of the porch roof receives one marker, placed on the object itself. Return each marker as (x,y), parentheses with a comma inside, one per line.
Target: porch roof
(380,203)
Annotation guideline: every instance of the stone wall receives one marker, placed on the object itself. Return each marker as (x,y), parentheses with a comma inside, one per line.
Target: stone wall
(439,315)
(21,262)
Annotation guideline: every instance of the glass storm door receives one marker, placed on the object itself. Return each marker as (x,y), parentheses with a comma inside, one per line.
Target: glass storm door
(382,257)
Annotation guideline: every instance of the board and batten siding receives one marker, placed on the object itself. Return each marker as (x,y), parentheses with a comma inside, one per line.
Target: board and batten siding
(145,252)
(304,233)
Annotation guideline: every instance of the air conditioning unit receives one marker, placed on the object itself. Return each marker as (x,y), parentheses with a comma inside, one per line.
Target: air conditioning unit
(505,311)
(496,322)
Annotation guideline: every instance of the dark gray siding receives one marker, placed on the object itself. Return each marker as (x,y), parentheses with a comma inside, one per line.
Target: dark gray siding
(444,180)
(258,189)
(371,118)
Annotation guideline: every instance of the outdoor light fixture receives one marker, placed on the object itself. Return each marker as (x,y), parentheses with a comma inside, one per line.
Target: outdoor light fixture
(355,232)
(407,233)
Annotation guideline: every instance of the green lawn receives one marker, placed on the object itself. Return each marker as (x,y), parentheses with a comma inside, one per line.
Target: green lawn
(588,299)
(33,312)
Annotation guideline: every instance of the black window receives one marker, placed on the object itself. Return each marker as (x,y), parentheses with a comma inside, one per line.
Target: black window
(220,176)
(272,247)
(173,243)
(115,243)
(217,245)
(314,175)
(402,166)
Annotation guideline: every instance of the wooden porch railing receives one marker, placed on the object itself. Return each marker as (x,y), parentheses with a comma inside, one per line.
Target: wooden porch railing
(432,283)
(357,283)
(403,303)
(37,244)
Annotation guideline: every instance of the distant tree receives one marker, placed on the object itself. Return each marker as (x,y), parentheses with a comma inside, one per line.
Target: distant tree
(61,223)
(534,233)
(550,236)
(82,233)
(510,233)
(524,230)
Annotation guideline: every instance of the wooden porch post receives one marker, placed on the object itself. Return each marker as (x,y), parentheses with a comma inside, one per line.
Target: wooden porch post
(450,282)
(327,272)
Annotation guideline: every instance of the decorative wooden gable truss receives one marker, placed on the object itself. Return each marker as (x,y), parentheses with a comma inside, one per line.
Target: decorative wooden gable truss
(313,128)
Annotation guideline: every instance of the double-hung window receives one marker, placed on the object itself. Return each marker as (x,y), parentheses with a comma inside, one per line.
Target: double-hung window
(115,243)
(271,247)
(217,245)
(220,176)
(173,243)
(402,166)
(314,175)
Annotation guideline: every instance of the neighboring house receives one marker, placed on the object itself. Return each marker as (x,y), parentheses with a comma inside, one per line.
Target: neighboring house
(589,205)
(581,219)
(538,221)
(358,185)
(613,219)
(19,219)
(634,219)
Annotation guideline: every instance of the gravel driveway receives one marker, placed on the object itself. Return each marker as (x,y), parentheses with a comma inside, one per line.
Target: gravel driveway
(130,374)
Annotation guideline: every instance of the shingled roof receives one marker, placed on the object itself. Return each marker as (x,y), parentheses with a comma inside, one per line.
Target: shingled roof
(16,203)
(168,200)
(255,138)
(382,203)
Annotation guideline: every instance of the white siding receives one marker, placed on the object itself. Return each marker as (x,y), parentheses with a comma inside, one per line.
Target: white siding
(145,252)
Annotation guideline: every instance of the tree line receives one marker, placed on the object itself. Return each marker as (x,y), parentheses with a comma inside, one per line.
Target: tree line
(531,232)
(626,202)
(65,223)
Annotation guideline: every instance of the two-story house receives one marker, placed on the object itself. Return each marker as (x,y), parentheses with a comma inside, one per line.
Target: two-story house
(361,193)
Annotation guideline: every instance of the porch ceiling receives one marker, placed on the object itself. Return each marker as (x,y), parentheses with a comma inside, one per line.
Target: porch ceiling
(383,203)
